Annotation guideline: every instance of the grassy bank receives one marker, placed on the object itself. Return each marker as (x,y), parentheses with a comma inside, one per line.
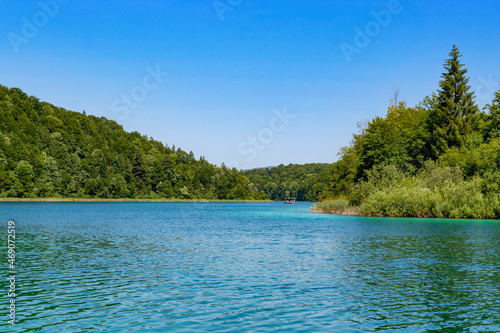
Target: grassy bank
(124,200)
(435,191)
(339,206)
(463,201)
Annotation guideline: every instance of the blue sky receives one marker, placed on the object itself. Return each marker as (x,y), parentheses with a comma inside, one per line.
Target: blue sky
(248,83)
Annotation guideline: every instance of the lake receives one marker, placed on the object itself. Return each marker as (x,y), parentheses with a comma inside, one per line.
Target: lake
(246,267)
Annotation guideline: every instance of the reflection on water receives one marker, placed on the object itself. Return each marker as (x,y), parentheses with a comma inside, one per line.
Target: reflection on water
(138,267)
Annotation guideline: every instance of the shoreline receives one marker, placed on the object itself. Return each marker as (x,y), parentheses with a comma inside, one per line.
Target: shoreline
(316,209)
(129,200)
(355,212)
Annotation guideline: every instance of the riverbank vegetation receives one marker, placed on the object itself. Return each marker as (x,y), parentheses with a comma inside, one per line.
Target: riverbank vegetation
(440,158)
(47,152)
(336,206)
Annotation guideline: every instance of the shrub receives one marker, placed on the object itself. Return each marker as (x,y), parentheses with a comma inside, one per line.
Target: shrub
(336,206)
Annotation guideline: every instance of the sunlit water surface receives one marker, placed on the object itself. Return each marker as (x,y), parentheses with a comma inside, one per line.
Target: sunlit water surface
(194,267)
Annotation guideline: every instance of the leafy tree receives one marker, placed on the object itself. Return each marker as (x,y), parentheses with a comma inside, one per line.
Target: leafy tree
(399,138)
(24,172)
(342,174)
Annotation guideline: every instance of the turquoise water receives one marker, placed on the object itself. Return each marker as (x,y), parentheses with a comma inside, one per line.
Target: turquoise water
(194,267)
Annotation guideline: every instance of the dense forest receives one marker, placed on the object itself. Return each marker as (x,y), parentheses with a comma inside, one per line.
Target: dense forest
(440,158)
(46,151)
(305,182)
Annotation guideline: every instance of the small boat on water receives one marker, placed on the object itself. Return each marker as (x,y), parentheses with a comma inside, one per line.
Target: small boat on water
(290,200)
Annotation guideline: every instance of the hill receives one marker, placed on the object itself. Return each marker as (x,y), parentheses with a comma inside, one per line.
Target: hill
(48,151)
(305,182)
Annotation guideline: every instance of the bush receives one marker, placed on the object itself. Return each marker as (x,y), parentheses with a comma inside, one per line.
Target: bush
(462,200)
(432,175)
(379,178)
(335,206)
(435,191)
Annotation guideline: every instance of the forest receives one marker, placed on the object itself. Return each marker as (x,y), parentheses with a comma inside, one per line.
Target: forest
(304,182)
(440,158)
(50,152)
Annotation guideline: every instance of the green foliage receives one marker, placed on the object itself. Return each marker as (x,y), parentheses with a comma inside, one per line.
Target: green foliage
(438,159)
(46,151)
(398,138)
(475,157)
(305,182)
(464,199)
(342,174)
(435,191)
(379,178)
(492,126)
(336,206)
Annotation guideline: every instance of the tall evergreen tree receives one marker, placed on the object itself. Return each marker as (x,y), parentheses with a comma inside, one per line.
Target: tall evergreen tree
(455,112)
(493,117)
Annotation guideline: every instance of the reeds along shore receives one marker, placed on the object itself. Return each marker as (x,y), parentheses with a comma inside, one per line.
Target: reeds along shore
(460,202)
(335,207)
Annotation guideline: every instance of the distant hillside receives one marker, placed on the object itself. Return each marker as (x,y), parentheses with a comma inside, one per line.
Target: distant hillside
(47,151)
(267,167)
(305,182)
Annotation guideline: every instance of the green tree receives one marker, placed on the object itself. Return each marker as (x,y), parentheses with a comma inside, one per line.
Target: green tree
(138,168)
(343,172)
(454,115)
(493,117)
(25,175)
(399,138)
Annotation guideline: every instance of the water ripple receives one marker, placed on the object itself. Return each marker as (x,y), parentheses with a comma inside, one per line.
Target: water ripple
(135,267)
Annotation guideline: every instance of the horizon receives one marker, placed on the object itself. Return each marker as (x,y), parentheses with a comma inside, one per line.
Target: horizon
(240,83)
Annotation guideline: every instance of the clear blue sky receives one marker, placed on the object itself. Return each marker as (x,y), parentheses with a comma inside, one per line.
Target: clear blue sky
(232,68)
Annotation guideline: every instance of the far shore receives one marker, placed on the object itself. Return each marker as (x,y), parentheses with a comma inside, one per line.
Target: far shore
(126,200)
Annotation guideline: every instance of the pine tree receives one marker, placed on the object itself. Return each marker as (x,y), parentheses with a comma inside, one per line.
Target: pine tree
(493,124)
(455,112)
